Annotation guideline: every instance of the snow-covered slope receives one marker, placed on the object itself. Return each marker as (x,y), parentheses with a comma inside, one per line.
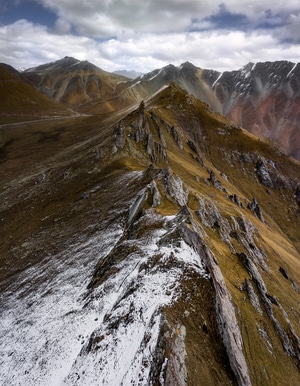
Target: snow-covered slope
(44,321)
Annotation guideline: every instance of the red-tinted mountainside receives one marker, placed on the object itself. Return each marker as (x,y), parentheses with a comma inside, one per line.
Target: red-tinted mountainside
(263,98)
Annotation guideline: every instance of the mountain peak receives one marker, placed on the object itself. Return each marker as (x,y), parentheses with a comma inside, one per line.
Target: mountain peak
(188,65)
(65,65)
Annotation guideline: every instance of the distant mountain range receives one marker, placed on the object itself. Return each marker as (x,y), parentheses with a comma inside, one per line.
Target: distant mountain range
(131,74)
(263,98)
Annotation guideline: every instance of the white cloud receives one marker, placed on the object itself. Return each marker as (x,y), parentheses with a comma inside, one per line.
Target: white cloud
(130,34)
(62,27)
(26,45)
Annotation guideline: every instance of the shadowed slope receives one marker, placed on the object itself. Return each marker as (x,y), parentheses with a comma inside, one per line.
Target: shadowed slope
(19,98)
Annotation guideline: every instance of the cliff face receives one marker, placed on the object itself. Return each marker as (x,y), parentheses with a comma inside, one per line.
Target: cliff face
(264,98)
(156,247)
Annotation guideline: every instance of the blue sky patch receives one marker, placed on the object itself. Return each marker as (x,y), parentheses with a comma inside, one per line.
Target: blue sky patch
(227,20)
(26,9)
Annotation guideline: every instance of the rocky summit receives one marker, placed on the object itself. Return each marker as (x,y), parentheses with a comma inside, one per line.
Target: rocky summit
(152,243)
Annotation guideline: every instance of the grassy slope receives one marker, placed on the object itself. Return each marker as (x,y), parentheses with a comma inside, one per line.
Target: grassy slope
(21,100)
(279,236)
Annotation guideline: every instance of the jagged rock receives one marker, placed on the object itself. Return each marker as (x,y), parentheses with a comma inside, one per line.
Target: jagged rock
(227,321)
(221,131)
(247,226)
(169,365)
(210,216)
(213,179)
(266,337)
(161,151)
(176,137)
(137,204)
(161,136)
(244,231)
(176,373)
(255,208)
(252,296)
(114,149)
(224,176)
(40,179)
(174,187)
(284,273)
(296,288)
(203,214)
(263,174)
(155,194)
(192,146)
(290,342)
(234,198)
(150,148)
(120,138)
(98,153)
(272,299)
(140,126)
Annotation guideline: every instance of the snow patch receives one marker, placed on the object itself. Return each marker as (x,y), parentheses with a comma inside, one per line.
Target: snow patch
(290,73)
(44,321)
(216,81)
(120,351)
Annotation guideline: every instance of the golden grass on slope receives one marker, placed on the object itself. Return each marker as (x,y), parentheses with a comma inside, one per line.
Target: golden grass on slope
(223,146)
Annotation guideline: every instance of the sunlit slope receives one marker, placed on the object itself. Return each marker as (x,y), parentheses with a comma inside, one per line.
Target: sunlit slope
(74,83)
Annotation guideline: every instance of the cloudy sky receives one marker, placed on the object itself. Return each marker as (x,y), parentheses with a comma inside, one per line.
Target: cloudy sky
(147,34)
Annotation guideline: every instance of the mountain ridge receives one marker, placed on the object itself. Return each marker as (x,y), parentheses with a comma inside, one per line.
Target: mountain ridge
(261,97)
